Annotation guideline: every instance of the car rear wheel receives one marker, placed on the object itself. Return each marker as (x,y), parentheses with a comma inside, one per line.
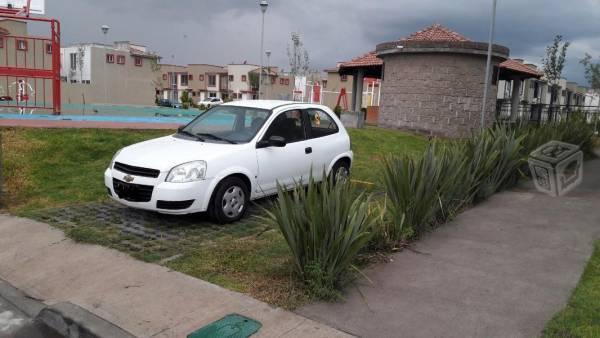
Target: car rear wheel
(340,171)
(230,201)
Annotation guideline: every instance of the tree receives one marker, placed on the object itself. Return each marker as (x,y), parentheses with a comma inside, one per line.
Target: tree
(298,56)
(554,62)
(592,75)
(80,63)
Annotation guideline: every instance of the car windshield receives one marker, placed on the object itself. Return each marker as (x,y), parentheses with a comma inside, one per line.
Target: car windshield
(225,123)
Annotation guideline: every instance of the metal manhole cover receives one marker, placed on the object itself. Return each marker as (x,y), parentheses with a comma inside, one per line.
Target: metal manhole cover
(230,326)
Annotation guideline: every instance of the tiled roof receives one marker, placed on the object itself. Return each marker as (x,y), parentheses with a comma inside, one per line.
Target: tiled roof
(519,67)
(435,32)
(366,60)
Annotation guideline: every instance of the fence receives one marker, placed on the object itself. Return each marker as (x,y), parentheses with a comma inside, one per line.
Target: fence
(542,113)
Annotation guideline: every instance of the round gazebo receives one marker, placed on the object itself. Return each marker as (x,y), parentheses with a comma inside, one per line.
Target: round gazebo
(433,82)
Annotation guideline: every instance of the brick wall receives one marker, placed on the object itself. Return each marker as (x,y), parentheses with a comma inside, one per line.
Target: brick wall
(436,94)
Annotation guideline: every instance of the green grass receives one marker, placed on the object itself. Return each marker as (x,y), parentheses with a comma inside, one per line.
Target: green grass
(581,317)
(55,167)
(47,169)
(371,144)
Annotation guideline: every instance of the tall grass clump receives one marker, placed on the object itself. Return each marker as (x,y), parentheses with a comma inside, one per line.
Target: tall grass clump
(325,226)
(425,191)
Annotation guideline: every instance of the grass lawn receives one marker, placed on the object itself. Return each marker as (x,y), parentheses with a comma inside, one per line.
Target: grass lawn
(46,171)
(581,317)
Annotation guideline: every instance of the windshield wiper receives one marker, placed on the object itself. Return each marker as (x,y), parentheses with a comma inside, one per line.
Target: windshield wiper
(215,137)
(185,132)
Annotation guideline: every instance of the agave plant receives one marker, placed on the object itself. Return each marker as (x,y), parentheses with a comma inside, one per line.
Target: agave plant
(412,188)
(325,226)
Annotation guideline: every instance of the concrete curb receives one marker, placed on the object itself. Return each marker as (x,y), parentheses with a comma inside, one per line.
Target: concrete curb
(67,319)
(28,305)
(73,321)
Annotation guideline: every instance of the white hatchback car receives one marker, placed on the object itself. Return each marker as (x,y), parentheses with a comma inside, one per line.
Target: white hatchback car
(229,155)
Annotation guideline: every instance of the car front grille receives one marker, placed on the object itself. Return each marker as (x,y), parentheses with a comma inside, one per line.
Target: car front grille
(137,171)
(174,205)
(132,192)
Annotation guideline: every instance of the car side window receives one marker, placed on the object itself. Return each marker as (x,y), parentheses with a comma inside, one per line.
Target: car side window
(321,123)
(287,125)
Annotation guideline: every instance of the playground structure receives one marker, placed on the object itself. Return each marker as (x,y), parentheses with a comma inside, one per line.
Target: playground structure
(29,65)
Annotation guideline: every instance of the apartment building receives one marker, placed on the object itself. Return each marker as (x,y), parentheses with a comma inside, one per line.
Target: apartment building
(122,73)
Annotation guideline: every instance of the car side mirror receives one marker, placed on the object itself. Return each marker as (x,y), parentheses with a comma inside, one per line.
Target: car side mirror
(273,141)
(180,128)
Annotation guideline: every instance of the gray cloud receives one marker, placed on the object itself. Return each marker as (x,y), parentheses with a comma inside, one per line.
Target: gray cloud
(222,31)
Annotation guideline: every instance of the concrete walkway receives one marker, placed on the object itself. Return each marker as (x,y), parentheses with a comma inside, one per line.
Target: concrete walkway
(501,269)
(145,299)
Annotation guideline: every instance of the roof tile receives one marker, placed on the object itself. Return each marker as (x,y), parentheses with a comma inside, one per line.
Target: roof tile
(435,32)
(517,66)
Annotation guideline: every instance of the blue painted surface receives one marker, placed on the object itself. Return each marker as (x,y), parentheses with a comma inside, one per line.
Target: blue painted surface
(101,118)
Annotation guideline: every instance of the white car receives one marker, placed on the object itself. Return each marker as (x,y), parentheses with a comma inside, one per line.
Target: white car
(210,102)
(229,155)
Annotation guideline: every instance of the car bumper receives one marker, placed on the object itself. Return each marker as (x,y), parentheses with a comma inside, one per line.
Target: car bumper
(176,195)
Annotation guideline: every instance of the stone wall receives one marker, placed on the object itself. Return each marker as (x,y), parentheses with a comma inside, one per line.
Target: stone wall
(435,93)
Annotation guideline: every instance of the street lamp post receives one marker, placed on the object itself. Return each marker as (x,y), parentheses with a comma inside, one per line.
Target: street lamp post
(488,64)
(105,29)
(263,8)
(268,54)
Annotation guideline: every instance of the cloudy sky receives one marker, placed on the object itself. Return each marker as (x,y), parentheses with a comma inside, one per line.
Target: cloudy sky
(224,31)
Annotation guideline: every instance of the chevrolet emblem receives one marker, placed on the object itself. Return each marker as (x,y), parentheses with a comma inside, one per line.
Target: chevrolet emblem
(128,178)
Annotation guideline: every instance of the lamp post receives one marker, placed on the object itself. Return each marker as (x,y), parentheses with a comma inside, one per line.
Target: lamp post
(268,54)
(263,8)
(105,29)
(488,64)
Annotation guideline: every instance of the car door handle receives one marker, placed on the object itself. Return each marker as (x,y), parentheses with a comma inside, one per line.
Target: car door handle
(308,150)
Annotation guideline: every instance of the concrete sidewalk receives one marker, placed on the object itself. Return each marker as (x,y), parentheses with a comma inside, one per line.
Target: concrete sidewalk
(145,299)
(501,269)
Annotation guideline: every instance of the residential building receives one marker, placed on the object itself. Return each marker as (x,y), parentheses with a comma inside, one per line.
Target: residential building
(122,73)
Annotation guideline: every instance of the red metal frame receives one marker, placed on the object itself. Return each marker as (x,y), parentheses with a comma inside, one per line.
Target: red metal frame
(23,70)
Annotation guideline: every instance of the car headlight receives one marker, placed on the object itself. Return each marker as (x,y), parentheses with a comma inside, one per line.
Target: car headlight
(112,162)
(187,172)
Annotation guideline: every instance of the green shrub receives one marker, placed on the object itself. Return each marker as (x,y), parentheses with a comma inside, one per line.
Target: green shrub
(338,111)
(412,189)
(325,226)
(202,106)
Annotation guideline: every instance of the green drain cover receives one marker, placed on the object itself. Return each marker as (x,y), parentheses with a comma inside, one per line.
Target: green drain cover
(230,326)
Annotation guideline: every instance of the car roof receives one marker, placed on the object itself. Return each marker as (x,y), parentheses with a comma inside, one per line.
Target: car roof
(262,104)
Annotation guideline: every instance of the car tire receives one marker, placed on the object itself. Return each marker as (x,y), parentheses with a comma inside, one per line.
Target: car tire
(230,201)
(340,170)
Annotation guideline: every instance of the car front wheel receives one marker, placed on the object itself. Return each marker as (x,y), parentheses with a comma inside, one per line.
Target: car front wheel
(340,171)
(230,201)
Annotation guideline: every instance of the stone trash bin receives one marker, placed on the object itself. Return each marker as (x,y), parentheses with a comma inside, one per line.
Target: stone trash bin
(556,167)
(353,119)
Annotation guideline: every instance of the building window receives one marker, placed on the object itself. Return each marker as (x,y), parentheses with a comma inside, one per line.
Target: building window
(243,78)
(287,82)
(121,59)
(165,77)
(212,80)
(48,48)
(73,61)
(230,78)
(281,81)
(138,61)
(343,78)
(1,42)
(324,84)
(110,58)
(184,79)
(190,77)
(193,93)
(21,45)
(201,78)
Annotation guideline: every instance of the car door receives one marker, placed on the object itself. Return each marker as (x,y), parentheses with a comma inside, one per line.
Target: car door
(323,139)
(287,164)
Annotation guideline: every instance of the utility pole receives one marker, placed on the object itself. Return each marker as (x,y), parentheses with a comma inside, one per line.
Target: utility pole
(105,29)
(263,8)
(488,64)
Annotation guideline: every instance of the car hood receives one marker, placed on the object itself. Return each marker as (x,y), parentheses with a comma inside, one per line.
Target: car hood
(166,152)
